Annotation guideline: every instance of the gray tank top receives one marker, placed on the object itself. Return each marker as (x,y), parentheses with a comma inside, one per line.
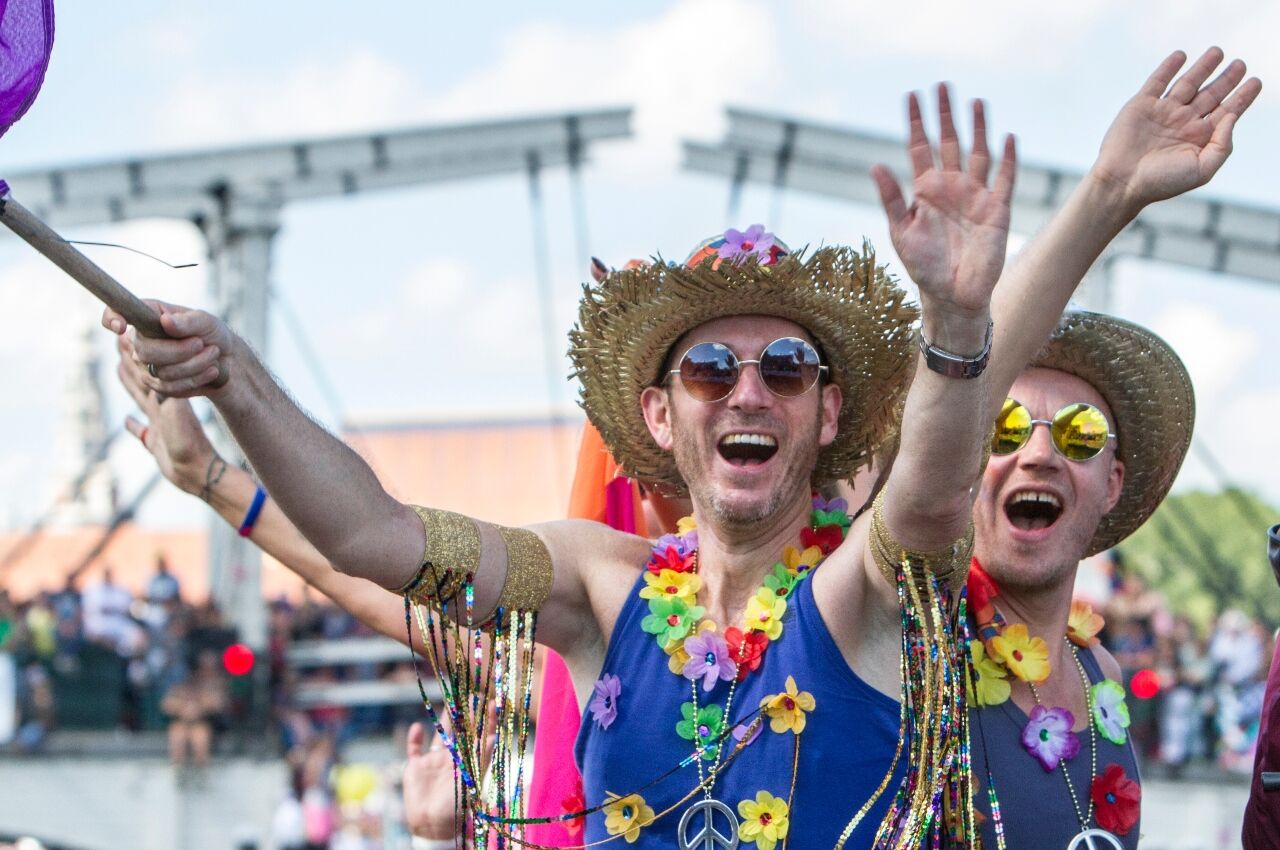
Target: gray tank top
(1035,805)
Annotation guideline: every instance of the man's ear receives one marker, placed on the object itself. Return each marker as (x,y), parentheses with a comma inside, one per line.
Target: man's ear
(656,406)
(1115,482)
(832,399)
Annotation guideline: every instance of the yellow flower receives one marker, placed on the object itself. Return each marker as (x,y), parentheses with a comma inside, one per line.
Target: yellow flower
(626,815)
(1083,625)
(992,686)
(669,584)
(1026,657)
(794,560)
(786,711)
(684,525)
(764,820)
(676,656)
(764,613)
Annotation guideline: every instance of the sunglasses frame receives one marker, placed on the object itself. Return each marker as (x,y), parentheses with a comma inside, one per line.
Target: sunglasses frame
(823,369)
(1048,423)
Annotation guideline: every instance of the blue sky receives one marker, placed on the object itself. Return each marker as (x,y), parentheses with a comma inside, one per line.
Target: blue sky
(382,280)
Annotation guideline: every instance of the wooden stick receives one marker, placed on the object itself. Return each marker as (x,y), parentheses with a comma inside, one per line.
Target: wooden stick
(87,273)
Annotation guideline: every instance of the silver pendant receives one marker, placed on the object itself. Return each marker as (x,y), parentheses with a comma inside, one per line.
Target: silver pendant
(707,837)
(1088,837)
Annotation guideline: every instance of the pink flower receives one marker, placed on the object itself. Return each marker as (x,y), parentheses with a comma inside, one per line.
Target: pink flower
(604,704)
(738,247)
(1048,736)
(709,660)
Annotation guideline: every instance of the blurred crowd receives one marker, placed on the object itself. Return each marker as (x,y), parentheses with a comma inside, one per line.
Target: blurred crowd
(1195,692)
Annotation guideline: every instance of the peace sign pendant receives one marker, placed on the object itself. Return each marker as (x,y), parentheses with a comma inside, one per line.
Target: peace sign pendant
(702,815)
(1088,838)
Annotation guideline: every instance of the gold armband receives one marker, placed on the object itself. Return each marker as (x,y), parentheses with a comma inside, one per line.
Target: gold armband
(950,565)
(452,555)
(449,560)
(529,571)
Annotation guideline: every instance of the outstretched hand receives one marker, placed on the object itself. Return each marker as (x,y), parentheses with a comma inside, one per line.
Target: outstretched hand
(429,806)
(172,432)
(1164,143)
(188,363)
(953,236)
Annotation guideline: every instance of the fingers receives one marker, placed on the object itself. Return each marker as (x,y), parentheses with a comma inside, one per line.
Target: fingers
(895,205)
(1216,152)
(113,321)
(1163,74)
(1214,93)
(980,156)
(918,148)
(1238,102)
(1190,82)
(137,429)
(1003,187)
(415,741)
(948,140)
(126,370)
(196,365)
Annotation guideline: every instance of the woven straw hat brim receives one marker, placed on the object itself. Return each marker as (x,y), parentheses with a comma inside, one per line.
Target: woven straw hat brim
(853,310)
(1149,392)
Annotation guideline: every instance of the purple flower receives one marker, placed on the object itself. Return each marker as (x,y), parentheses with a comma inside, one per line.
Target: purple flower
(740,732)
(683,544)
(604,705)
(1048,736)
(755,242)
(836,504)
(708,659)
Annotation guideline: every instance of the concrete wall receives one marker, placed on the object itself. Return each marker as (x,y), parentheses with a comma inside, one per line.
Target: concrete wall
(139,804)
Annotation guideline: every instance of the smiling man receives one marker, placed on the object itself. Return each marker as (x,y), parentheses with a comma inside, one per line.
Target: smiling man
(727,678)
(1085,448)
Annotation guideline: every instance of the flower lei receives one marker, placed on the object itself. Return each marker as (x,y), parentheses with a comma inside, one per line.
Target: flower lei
(1003,650)
(696,651)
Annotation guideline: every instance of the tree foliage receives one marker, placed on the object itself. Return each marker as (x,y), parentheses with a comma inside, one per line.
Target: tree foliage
(1207,552)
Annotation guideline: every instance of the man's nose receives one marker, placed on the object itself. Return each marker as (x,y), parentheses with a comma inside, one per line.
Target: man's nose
(750,393)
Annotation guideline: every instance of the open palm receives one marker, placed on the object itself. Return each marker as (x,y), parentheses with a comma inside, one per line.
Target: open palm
(1165,143)
(952,238)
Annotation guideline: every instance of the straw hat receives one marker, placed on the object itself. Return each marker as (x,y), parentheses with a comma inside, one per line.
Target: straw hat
(854,311)
(1149,393)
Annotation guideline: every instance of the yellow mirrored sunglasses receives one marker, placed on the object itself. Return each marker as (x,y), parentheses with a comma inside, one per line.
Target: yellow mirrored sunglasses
(1078,431)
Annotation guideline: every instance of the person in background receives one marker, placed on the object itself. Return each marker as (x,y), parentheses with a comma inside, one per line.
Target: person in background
(1261,830)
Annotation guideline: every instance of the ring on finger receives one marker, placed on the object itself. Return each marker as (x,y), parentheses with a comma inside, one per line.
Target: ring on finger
(151,370)
(142,435)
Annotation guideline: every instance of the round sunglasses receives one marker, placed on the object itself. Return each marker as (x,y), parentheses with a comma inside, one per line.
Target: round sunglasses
(789,367)
(1078,431)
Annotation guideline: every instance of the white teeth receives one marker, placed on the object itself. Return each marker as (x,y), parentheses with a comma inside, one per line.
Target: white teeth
(752,439)
(1036,496)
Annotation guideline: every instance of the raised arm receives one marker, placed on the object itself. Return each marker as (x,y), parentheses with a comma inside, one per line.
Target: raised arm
(331,495)
(951,239)
(1165,141)
(175,438)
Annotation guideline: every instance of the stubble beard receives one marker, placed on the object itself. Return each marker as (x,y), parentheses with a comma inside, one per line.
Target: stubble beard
(693,465)
(1038,569)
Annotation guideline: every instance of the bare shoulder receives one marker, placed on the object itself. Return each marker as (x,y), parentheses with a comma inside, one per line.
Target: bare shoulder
(1107,662)
(595,568)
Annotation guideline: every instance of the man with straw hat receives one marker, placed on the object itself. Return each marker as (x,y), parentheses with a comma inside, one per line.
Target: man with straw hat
(1048,719)
(748,444)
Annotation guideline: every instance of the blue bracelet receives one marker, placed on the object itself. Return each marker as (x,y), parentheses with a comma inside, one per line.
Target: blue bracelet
(259,499)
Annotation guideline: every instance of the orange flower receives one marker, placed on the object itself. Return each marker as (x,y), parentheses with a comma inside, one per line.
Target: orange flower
(1083,625)
(1025,656)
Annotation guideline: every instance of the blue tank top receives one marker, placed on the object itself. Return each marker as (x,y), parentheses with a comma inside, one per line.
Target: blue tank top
(1035,805)
(845,749)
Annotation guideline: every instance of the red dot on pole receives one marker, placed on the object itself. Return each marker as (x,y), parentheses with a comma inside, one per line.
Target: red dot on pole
(237,659)
(1145,684)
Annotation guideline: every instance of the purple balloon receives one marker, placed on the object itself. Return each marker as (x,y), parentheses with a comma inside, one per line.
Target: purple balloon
(26,40)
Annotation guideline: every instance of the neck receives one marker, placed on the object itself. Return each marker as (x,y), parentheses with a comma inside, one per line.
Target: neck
(1044,610)
(734,559)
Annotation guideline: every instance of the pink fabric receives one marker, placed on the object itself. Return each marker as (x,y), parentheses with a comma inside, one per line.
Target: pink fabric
(555,775)
(619,506)
(1262,814)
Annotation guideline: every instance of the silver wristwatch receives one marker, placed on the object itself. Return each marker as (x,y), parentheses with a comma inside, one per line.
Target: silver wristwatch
(952,365)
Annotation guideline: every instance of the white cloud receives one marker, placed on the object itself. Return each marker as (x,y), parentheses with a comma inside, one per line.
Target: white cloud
(999,30)
(1214,350)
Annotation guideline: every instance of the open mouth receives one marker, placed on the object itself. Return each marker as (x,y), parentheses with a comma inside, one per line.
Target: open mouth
(1032,510)
(747,449)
